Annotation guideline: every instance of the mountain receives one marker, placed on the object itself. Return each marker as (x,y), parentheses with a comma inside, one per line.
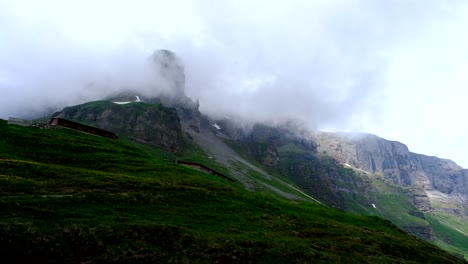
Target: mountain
(357,174)
(71,197)
(354,173)
(443,182)
(365,174)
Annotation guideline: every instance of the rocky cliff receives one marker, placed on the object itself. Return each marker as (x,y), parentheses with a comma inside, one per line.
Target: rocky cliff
(439,181)
(152,124)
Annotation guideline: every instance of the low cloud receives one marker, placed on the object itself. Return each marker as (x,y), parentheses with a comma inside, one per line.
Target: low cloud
(318,62)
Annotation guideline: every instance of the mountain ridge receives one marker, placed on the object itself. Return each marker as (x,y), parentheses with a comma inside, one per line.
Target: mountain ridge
(441,179)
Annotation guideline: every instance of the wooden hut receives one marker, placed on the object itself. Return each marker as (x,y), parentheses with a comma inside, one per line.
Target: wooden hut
(56,121)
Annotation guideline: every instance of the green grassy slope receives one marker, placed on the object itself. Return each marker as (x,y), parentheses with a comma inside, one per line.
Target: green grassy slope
(70,197)
(450,233)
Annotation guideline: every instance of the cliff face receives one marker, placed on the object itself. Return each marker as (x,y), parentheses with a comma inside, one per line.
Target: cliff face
(151,124)
(442,181)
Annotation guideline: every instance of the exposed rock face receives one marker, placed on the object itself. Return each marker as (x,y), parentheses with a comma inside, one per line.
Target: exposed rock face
(441,180)
(420,199)
(155,125)
(369,153)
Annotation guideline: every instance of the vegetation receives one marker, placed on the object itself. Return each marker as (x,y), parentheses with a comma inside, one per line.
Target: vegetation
(71,197)
(450,234)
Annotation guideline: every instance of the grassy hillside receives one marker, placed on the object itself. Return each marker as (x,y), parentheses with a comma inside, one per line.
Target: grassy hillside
(450,233)
(448,230)
(71,197)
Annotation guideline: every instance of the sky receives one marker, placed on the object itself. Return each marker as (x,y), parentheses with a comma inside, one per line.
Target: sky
(396,68)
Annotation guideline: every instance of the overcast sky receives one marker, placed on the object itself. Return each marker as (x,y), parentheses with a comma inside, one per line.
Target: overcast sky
(398,69)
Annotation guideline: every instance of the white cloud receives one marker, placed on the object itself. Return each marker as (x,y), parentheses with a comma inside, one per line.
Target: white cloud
(375,66)
(427,80)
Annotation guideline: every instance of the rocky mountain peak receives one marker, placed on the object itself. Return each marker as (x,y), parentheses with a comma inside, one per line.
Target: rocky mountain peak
(170,70)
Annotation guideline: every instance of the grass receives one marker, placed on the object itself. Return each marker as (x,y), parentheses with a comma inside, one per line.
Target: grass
(194,153)
(265,183)
(397,209)
(73,197)
(450,232)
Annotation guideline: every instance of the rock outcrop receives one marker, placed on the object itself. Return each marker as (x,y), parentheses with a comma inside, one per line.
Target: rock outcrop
(171,70)
(151,124)
(169,91)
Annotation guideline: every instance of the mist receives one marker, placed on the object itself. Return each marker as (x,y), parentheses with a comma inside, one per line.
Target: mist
(322,63)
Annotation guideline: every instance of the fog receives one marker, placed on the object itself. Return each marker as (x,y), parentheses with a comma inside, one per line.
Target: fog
(324,63)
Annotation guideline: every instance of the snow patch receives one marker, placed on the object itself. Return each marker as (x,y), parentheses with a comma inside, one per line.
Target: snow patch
(216,126)
(373,205)
(137,100)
